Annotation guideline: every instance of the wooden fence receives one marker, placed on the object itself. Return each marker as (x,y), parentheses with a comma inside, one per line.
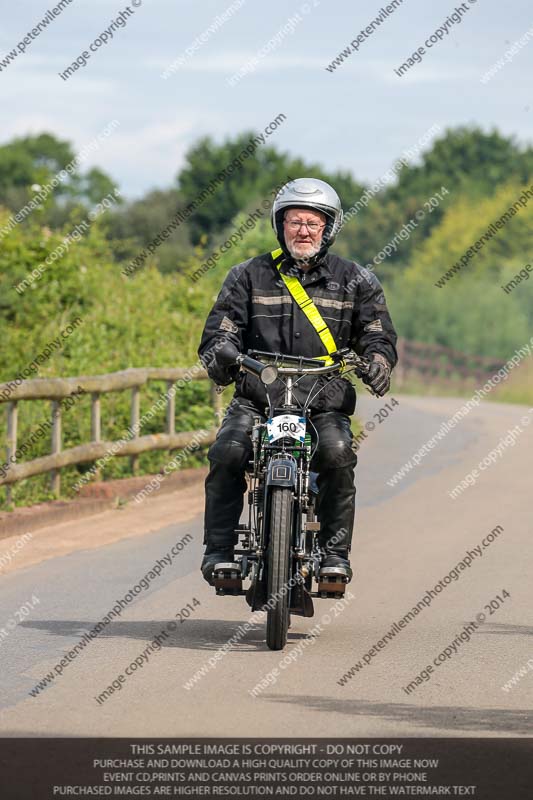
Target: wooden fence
(415,358)
(433,361)
(57,389)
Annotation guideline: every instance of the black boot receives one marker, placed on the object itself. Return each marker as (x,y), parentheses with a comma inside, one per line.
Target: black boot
(212,556)
(338,560)
(225,486)
(335,461)
(224,500)
(336,513)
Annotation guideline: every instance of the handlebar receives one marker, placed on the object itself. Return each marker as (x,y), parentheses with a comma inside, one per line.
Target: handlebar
(301,361)
(302,366)
(268,373)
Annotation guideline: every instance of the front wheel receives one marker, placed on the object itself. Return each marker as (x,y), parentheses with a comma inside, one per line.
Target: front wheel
(278,567)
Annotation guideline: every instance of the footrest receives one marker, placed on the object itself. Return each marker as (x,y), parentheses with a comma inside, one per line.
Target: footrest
(242,529)
(227,578)
(332,582)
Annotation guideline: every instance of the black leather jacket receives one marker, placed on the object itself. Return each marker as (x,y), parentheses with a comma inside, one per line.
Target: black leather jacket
(255,310)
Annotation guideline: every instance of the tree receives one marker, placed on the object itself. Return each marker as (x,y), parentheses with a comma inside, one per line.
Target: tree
(32,160)
(95,185)
(464,158)
(470,312)
(131,228)
(253,179)
(29,163)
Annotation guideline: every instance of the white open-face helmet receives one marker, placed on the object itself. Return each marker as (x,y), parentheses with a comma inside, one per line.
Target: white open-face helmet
(309,193)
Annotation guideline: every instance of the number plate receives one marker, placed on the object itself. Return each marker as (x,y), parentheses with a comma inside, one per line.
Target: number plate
(286,425)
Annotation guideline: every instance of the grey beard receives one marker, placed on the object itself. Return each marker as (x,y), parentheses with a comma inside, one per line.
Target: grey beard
(304,259)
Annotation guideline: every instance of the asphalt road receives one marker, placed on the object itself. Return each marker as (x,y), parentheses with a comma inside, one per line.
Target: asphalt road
(408,537)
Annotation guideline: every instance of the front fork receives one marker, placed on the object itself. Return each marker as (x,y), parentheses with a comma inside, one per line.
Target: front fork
(283,469)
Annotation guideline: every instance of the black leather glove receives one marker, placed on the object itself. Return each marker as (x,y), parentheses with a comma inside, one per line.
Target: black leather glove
(218,364)
(378,377)
(222,376)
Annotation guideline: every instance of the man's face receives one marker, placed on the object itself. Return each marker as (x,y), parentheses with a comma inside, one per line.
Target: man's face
(303,241)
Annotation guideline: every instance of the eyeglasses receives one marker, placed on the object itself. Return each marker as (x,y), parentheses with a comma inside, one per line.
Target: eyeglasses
(312,227)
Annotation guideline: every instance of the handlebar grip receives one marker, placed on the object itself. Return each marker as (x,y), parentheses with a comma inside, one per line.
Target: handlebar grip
(267,373)
(251,365)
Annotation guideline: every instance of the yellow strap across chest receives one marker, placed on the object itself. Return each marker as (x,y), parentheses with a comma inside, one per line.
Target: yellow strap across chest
(303,301)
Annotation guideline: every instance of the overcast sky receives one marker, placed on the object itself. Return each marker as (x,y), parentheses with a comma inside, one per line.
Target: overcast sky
(358,118)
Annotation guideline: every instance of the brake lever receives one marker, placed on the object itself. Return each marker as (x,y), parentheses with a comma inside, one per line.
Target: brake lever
(360,365)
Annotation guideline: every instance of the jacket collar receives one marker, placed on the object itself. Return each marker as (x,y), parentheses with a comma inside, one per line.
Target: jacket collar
(321,269)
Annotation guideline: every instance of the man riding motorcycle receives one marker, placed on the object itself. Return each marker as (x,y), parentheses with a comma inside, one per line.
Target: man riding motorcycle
(299,300)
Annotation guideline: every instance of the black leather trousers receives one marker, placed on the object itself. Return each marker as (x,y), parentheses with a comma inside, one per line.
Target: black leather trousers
(334,461)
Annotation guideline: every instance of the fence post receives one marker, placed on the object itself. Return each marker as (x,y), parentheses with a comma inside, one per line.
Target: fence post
(55,474)
(134,423)
(11,449)
(171,408)
(96,429)
(95,417)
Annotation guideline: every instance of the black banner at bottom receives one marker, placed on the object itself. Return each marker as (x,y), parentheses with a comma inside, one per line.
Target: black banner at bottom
(485,769)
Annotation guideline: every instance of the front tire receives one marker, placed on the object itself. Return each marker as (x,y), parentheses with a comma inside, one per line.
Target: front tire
(278,567)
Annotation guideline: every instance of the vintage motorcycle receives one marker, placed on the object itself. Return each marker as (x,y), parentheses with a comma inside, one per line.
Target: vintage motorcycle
(279,551)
